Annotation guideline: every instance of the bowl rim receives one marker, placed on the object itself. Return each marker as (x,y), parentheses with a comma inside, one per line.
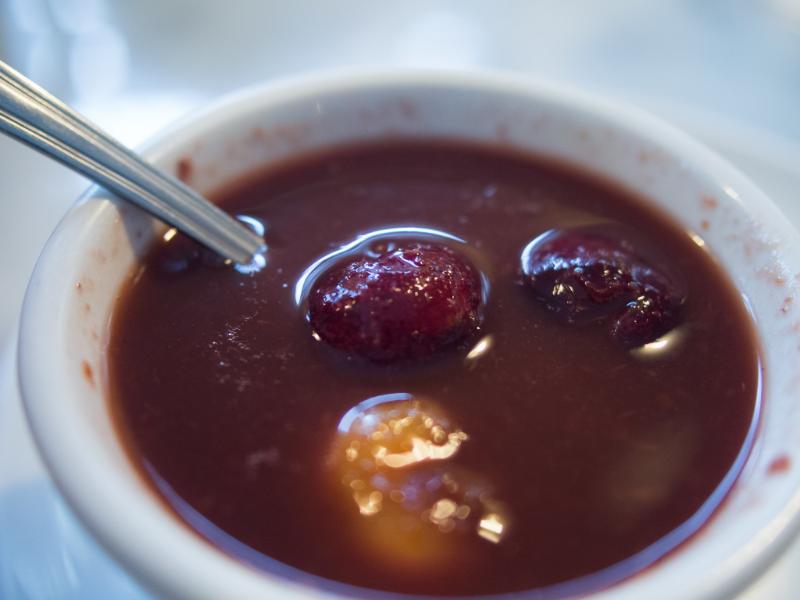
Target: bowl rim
(60,450)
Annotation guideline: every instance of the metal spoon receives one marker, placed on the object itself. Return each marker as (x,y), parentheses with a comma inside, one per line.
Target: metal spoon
(35,117)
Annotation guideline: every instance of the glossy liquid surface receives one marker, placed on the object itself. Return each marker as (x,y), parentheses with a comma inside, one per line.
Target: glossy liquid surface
(572,455)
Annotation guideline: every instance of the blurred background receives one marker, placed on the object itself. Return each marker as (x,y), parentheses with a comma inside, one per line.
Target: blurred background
(738,58)
(727,71)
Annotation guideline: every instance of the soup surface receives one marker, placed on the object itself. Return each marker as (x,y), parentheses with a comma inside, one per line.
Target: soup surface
(576,405)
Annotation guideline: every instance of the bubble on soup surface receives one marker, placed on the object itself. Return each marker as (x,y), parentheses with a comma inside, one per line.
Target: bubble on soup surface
(413,507)
(411,300)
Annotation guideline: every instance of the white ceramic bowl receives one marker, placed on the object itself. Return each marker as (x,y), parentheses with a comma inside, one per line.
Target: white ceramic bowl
(78,277)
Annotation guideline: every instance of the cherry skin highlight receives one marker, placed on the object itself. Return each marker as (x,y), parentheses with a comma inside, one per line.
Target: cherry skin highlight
(410,301)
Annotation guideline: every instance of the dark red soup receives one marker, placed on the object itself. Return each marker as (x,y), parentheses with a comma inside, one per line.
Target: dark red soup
(462,371)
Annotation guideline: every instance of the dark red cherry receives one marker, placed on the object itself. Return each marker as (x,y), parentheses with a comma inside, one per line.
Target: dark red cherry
(181,253)
(584,276)
(578,276)
(645,319)
(408,302)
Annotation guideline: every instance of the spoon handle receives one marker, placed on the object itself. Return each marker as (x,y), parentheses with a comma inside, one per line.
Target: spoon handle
(32,115)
